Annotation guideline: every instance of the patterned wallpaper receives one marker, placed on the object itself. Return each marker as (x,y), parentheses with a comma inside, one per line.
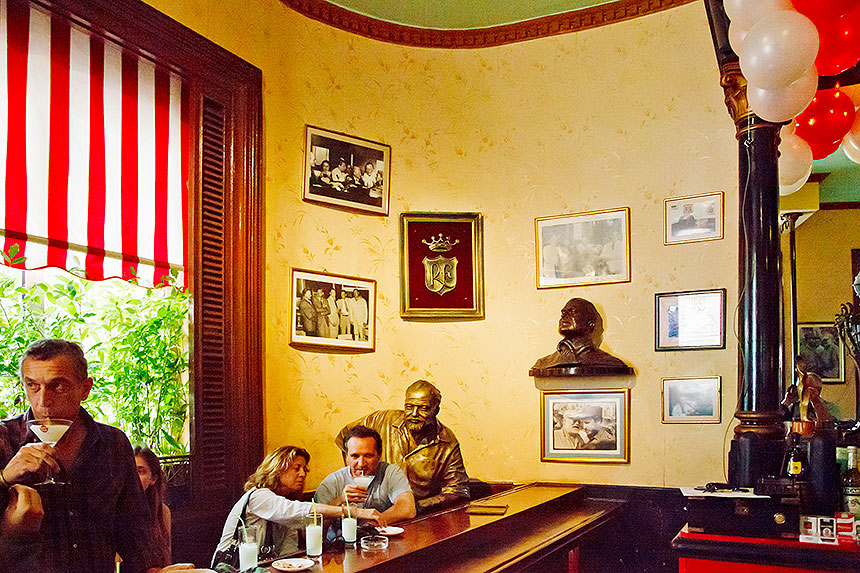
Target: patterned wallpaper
(624,115)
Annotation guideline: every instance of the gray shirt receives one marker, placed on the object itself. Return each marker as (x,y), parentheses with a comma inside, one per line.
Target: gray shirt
(388,483)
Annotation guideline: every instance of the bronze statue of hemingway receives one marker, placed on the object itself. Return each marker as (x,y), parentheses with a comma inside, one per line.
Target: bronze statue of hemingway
(426,450)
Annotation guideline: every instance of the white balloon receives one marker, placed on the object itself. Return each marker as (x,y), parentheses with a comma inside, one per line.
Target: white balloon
(736,37)
(783,104)
(853,135)
(795,160)
(789,189)
(788,129)
(851,150)
(779,49)
(745,13)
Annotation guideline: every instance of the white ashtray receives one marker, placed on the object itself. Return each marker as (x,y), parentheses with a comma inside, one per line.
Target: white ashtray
(374,542)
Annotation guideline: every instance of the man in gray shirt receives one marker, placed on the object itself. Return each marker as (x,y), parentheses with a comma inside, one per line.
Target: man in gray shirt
(388,491)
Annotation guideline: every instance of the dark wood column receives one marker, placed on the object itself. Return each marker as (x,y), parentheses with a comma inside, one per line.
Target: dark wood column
(759,434)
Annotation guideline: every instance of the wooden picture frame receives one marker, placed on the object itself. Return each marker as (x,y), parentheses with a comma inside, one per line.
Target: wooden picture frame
(585,426)
(693,218)
(691,400)
(583,248)
(313,329)
(441,265)
(330,175)
(819,344)
(690,320)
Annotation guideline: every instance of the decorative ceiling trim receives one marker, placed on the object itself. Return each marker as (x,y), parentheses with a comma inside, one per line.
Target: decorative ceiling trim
(573,21)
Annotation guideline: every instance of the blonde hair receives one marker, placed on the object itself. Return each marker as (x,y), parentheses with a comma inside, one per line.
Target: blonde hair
(268,473)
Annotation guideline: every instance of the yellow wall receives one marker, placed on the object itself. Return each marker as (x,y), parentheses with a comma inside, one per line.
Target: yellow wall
(624,115)
(824,243)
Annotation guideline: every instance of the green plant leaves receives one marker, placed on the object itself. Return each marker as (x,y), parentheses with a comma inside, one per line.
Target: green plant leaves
(135,340)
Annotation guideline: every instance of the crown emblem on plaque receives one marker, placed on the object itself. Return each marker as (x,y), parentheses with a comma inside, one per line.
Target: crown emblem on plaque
(441,245)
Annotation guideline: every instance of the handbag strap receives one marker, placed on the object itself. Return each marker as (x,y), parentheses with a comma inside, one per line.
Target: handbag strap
(268,541)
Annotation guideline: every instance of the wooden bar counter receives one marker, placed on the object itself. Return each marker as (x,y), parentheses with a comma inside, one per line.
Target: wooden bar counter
(541,520)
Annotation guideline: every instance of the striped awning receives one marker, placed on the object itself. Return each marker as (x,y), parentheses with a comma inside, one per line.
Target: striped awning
(95,140)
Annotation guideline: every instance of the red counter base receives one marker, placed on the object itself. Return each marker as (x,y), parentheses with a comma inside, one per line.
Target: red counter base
(703,553)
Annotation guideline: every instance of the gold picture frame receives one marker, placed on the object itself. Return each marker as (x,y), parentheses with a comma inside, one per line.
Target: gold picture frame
(441,266)
(693,218)
(585,426)
(691,400)
(586,248)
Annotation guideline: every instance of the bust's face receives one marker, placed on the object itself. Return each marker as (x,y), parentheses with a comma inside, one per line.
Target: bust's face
(574,320)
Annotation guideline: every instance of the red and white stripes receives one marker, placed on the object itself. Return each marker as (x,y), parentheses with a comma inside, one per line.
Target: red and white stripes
(95,142)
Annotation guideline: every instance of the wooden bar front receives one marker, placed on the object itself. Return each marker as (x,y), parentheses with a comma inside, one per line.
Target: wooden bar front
(541,520)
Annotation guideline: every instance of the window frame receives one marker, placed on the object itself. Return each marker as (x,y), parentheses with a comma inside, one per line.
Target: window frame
(225,266)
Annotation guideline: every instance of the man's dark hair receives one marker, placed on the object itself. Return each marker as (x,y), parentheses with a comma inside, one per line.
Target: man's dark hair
(49,348)
(362,432)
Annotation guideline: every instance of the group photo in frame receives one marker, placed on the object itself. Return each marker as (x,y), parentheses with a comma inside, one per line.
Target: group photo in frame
(693,218)
(332,312)
(691,400)
(690,320)
(820,347)
(585,426)
(346,171)
(441,265)
(583,248)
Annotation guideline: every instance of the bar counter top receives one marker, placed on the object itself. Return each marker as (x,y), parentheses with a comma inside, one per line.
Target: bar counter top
(541,519)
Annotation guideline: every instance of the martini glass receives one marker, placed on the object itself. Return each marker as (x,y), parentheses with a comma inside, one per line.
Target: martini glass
(49,431)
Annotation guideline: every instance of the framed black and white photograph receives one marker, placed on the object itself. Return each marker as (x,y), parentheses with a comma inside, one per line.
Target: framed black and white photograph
(585,426)
(333,312)
(346,171)
(691,400)
(820,347)
(693,218)
(583,248)
(690,320)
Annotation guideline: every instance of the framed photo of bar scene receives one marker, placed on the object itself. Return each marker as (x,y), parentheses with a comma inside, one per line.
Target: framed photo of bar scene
(332,312)
(346,171)
(441,265)
(583,248)
(820,347)
(691,320)
(693,218)
(690,400)
(585,426)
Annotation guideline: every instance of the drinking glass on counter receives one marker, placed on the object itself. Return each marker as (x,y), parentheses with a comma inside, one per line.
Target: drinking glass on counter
(348,525)
(314,534)
(248,547)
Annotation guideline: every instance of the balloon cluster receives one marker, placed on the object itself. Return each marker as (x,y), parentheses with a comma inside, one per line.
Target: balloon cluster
(783,46)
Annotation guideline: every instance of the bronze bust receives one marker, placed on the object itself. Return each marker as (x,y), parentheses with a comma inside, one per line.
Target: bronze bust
(578,353)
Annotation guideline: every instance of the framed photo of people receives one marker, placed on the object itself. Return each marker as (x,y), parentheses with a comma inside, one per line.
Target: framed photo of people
(332,312)
(690,400)
(693,218)
(346,171)
(690,320)
(585,426)
(441,265)
(583,248)
(820,348)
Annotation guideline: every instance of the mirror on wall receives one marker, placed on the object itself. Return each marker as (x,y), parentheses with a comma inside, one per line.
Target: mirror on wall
(827,247)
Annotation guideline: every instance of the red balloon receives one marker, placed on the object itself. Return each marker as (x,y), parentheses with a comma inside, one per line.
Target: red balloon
(839,43)
(820,151)
(817,9)
(826,119)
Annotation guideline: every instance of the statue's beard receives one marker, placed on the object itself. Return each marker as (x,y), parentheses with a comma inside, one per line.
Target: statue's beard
(417,427)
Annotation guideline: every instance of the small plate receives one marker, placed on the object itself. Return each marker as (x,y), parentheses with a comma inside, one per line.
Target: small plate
(390,530)
(296,564)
